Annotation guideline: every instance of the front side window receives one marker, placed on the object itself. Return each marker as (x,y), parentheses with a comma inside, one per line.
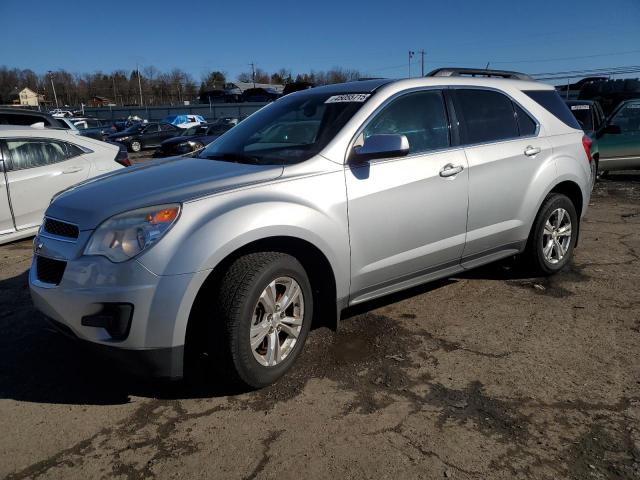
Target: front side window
(488,116)
(288,131)
(420,116)
(628,118)
(35,153)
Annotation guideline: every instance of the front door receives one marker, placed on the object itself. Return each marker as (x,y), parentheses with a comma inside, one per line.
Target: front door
(407,215)
(38,169)
(622,150)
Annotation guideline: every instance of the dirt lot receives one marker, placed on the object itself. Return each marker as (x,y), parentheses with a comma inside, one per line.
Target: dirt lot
(489,375)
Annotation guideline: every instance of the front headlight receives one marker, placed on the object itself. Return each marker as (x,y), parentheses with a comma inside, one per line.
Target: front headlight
(127,234)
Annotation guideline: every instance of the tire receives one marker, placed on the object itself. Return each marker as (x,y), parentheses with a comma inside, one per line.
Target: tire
(240,312)
(135,146)
(540,259)
(594,172)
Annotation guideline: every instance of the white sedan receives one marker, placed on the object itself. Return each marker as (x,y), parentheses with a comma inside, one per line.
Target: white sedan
(36,163)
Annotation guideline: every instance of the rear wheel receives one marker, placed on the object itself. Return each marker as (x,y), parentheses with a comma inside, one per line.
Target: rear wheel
(263,308)
(553,236)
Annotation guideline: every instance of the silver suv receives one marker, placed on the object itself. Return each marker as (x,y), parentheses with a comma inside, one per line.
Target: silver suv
(324,199)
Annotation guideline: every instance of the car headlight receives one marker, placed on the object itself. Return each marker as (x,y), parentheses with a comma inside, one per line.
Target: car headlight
(125,235)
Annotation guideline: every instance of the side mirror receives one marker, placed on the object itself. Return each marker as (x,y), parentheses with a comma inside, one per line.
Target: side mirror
(612,129)
(381,146)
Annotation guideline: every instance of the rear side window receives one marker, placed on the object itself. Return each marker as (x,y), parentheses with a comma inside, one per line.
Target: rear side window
(420,116)
(488,116)
(552,102)
(526,125)
(35,153)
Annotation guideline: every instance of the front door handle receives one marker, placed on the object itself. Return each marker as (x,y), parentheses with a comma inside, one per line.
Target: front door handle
(449,170)
(72,169)
(531,151)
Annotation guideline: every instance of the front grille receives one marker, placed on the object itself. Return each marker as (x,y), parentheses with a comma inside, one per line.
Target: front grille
(49,270)
(61,229)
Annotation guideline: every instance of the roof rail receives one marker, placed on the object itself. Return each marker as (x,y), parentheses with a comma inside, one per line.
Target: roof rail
(476,72)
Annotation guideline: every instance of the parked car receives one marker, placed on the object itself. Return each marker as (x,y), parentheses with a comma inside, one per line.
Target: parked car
(610,93)
(195,138)
(228,257)
(94,127)
(260,95)
(20,116)
(220,96)
(38,163)
(591,118)
(145,135)
(184,121)
(59,113)
(619,138)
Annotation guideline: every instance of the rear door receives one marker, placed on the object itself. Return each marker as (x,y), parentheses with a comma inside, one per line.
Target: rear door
(505,154)
(6,218)
(39,168)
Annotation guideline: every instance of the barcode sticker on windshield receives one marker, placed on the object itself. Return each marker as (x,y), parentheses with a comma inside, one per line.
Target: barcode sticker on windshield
(350,97)
(579,107)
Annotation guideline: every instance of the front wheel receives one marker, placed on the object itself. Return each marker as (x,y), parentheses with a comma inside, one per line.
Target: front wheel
(553,235)
(263,307)
(136,146)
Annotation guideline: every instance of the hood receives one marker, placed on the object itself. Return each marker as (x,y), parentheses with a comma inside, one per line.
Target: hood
(199,138)
(162,181)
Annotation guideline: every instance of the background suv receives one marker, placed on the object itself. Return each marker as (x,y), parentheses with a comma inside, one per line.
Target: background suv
(227,258)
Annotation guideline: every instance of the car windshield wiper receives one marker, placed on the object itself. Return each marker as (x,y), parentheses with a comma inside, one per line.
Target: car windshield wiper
(233,157)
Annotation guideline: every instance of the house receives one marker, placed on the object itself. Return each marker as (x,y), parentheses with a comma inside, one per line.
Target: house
(29,98)
(97,101)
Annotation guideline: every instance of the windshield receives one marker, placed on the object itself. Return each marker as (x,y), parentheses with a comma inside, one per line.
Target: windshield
(291,130)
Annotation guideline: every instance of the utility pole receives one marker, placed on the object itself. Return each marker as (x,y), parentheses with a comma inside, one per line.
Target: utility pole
(422,62)
(139,84)
(50,73)
(115,96)
(411,54)
(253,73)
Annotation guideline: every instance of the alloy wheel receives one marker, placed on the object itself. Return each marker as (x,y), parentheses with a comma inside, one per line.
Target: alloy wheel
(556,237)
(277,321)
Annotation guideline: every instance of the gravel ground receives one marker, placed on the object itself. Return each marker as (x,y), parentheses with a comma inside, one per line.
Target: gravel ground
(484,376)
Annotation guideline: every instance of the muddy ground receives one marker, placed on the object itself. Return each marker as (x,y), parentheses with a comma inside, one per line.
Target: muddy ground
(484,376)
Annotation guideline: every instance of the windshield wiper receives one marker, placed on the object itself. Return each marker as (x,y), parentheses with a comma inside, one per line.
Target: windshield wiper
(233,157)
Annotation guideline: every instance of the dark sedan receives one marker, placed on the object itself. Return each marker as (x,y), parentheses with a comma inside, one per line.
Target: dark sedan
(195,138)
(145,135)
(260,95)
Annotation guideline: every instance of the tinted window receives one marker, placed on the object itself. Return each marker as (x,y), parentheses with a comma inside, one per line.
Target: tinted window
(35,153)
(551,101)
(628,118)
(526,125)
(165,127)
(488,116)
(73,150)
(420,116)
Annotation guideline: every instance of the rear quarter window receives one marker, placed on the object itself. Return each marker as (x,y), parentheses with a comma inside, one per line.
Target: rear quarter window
(551,101)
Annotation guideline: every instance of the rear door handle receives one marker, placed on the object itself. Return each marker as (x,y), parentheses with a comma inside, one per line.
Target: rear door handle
(449,170)
(72,169)
(531,151)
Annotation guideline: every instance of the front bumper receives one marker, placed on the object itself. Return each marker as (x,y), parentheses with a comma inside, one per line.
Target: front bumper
(161,306)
